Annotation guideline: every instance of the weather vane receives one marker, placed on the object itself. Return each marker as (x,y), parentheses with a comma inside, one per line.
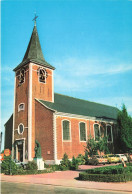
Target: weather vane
(35,19)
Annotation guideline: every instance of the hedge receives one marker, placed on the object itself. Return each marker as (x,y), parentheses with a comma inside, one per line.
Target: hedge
(110,170)
(26,172)
(105,177)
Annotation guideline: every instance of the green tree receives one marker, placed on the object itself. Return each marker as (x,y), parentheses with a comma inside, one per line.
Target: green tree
(8,166)
(91,146)
(124,125)
(103,145)
(74,164)
(65,163)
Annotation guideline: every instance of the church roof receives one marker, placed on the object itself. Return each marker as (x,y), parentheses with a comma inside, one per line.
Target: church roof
(77,106)
(34,52)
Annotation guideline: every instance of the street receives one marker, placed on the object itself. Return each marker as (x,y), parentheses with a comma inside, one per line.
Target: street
(21,188)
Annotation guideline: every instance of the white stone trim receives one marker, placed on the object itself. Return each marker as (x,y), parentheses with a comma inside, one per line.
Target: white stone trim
(52,162)
(52,86)
(14,119)
(62,114)
(21,139)
(19,129)
(30,114)
(55,137)
(19,107)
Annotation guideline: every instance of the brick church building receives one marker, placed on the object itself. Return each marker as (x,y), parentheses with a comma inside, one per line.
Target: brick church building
(60,123)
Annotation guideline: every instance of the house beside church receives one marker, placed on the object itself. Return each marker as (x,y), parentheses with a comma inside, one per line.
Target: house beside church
(61,124)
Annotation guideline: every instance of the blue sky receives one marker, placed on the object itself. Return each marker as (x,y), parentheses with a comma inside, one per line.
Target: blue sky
(89,42)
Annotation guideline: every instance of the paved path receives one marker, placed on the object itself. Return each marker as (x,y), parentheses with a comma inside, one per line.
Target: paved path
(67,179)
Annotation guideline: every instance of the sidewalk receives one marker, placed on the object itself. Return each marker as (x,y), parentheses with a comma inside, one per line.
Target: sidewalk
(67,179)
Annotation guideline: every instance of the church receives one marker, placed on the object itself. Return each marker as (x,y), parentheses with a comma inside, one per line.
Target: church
(60,123)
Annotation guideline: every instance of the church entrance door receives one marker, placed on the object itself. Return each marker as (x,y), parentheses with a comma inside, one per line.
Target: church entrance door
(20,152)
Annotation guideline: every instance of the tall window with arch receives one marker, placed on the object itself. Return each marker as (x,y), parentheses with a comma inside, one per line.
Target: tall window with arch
(109,133)
(43,75)
(66,130)
(96,132)
(82,128)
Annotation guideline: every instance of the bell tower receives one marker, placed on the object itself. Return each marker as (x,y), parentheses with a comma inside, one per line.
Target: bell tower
(33,79)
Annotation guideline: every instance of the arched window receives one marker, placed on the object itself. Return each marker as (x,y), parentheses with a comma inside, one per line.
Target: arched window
(21,76)
(43,75)
(109,133)
(101,131)
(82,128)
(66,130)
(20,128)
(96,132)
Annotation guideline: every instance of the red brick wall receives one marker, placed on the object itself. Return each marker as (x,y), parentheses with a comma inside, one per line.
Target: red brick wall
(44,130)
(21,96)
(40,91)
(74,147)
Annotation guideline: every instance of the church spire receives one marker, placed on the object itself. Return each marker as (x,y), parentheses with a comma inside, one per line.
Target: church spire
(34,51)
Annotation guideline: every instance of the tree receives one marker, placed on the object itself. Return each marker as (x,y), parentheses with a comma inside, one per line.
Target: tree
(93,146)
(124,125)
(103,145)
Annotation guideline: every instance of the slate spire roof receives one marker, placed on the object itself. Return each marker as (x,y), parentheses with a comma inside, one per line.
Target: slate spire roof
(34,52)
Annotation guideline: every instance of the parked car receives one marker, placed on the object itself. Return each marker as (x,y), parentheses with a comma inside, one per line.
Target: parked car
(93,160)
(129,156)
(19,163)
(96,159)
(122,156)
(112,158)
(102,159)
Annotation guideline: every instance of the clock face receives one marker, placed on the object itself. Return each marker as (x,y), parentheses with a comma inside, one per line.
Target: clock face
(21,76)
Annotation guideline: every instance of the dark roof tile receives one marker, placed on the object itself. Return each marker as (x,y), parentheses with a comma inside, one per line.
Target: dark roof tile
(77,106)
(34,52)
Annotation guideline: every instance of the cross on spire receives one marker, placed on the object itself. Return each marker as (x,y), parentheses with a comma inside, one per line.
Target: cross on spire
(35,17)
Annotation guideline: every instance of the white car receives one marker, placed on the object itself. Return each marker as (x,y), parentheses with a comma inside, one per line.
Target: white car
(122,156)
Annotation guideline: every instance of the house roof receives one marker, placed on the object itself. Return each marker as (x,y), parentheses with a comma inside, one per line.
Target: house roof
(77,106)
(34,52)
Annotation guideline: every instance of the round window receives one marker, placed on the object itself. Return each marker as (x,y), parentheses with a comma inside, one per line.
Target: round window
(21,128)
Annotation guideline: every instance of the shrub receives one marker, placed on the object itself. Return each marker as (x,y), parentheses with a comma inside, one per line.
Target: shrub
(108,174)
(86,157)
(8,166)
(110,170)
(74,164)
(106,177)
(55,167)
(24,172)
(93,161)
(80,159)
(65,163)
(31,165)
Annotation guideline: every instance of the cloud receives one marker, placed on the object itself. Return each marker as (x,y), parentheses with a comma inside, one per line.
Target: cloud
(89,67)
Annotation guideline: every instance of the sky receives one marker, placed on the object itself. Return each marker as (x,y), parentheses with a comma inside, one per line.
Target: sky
(89,43)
